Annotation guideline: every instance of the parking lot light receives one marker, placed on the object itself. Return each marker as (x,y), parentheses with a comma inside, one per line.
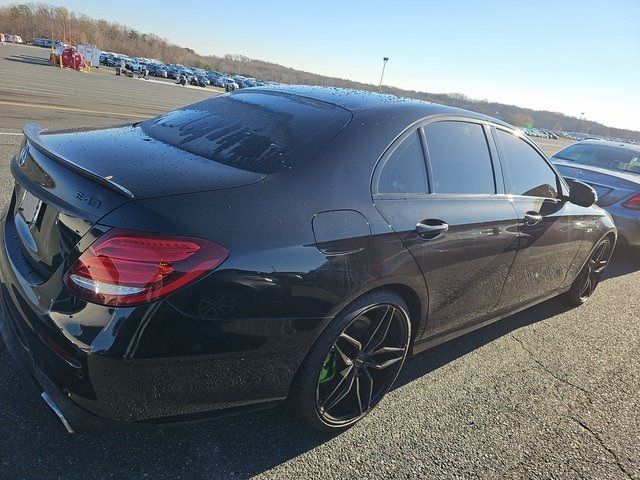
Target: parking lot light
(384,63)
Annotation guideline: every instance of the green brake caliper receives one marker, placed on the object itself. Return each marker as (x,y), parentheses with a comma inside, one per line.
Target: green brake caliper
(328,368)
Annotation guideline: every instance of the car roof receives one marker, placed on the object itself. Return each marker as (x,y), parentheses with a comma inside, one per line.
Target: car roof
(611,143)
(359,100)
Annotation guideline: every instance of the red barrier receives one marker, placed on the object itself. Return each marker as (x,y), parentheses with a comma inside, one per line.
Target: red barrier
(72,59)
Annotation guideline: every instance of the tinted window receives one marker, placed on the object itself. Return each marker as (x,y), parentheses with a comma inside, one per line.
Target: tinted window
(605,156)
(264,132)
(405,170)
(459,157)
(528,172)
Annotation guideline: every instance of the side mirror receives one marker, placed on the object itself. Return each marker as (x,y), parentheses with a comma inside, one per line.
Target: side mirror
(581,194)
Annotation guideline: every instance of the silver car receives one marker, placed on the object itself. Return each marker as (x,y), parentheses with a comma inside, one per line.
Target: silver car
(613,170)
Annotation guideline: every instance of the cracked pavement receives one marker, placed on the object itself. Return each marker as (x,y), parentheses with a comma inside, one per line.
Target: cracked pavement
(550,393)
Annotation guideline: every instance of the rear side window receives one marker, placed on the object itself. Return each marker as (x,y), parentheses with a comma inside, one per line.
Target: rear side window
(405,170)
(459,157)
(528,173)
(263,132)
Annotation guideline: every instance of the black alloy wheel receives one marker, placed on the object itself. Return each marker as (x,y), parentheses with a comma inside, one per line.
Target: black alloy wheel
(591,274)
(354,363)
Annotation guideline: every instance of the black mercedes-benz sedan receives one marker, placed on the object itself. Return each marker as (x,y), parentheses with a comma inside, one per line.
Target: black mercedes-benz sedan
(272,244)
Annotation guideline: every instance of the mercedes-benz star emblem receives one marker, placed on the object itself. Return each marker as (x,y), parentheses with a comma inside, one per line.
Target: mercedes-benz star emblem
(22,156)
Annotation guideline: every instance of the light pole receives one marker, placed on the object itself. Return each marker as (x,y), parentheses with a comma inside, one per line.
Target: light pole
(384,64)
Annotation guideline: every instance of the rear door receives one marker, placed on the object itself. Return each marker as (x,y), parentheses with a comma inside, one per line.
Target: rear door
(452,215)
(548,223)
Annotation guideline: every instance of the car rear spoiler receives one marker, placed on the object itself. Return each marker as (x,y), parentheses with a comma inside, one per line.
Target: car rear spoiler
(32,133)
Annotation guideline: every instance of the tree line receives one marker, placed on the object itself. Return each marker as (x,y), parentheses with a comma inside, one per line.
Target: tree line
(33,20)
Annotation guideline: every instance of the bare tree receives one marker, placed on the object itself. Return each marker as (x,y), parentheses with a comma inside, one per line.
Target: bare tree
(33,20)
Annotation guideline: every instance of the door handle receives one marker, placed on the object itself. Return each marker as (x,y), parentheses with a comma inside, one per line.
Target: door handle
(428,229)
(531,218)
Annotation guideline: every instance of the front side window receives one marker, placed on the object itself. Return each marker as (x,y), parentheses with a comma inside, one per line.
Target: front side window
(460,159)
(527,171)
(405,170)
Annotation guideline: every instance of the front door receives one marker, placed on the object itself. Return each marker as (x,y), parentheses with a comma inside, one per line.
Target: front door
(548,239)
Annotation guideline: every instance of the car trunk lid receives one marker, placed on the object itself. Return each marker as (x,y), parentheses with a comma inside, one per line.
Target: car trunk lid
(128,158)
(67,181)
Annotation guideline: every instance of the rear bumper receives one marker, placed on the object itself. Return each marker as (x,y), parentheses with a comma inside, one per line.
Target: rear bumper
(108,367)
(73,418)
(101,392)
(97,391)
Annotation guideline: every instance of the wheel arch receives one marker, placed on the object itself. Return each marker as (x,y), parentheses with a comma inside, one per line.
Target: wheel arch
(611,234)
(418,306)
(417,313)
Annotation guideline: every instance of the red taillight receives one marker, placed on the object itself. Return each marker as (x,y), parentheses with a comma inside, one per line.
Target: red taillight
(633,202)
(128,267)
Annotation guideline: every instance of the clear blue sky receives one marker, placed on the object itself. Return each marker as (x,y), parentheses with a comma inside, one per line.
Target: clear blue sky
(571,56)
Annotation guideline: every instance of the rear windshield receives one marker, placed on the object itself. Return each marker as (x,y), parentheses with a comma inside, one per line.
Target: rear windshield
(263,132)
(616,158)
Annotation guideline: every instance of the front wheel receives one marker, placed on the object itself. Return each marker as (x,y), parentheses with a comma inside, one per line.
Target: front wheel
(354,362)
(587,280)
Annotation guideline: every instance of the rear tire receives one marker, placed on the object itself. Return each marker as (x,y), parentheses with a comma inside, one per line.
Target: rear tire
(587,280)
(353,364)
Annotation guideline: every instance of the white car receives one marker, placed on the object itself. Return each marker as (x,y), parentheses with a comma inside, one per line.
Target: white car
(230,84)
(135,65)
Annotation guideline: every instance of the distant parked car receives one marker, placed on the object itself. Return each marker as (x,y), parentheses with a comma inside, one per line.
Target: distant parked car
(613,170)
(133,64)
(158,71)
(199,80)
(113,61)
(230,85)
(218,82)
(248,82)
(42,42)
(172,72)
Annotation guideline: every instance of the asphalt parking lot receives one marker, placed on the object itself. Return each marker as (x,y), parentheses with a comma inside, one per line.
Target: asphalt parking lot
(551,392)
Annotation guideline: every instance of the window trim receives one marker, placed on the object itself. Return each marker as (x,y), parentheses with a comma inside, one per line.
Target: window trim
(498,175)
(561,185)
